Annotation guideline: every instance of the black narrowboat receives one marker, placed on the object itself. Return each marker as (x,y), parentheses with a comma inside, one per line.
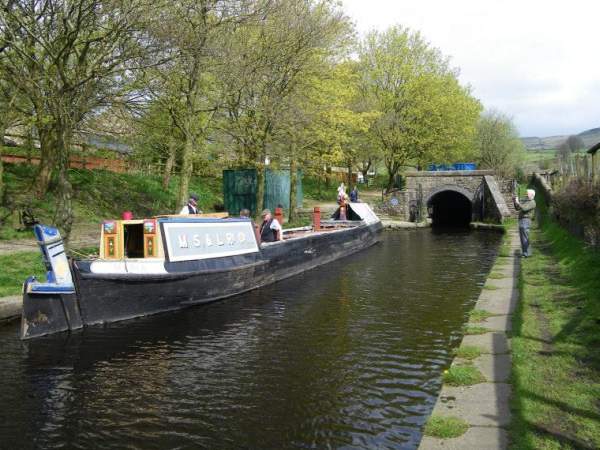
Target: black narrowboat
(150,266)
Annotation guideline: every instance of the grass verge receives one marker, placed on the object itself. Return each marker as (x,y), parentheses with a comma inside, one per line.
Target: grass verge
(463,375)
(16,267)
(556,345)
(445,427)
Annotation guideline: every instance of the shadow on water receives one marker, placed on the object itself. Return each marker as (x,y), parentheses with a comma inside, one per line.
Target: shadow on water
(346,355)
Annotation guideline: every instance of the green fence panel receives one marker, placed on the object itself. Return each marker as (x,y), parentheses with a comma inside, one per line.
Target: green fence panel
(239,190)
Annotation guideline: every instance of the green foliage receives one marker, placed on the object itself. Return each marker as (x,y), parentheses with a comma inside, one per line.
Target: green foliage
(314,188)
(425,114)
(101,194)
(498,145)
(463,375)
(468,352)
(445,427)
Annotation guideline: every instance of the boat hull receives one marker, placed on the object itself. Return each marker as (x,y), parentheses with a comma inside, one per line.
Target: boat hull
(102,298)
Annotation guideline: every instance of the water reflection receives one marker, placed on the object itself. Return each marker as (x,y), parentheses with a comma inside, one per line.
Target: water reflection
(347,355)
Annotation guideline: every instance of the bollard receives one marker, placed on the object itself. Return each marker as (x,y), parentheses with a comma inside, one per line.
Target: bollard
(127,215)
(316,218)
(279,215)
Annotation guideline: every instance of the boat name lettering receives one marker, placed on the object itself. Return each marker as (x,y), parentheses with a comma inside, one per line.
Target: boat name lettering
(218,240)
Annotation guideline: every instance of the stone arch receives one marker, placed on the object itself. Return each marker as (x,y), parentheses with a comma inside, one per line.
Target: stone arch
(450,187)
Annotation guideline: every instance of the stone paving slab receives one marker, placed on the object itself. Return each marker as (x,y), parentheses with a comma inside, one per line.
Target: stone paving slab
(495,368)
(477,438)
(501,301)
(10,307)
(493,343)
(496,323)
(484,404)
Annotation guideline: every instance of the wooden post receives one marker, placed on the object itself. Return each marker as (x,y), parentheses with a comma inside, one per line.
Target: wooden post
(316,218)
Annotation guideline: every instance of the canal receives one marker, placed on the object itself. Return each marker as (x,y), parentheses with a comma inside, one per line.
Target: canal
(347,355)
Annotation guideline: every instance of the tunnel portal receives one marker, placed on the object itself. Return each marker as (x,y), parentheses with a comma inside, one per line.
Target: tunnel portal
(450,208)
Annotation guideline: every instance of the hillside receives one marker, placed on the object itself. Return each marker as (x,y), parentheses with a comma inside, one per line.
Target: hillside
(590,137)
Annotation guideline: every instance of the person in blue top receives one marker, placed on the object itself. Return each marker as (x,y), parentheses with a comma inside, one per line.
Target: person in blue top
(354,195)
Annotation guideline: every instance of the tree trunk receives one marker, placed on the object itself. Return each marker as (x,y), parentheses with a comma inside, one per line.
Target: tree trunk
(186,171)
(349,183)
(293,187)
(48,150)
(64,189)
(328,176)
(169,165)
(2,130)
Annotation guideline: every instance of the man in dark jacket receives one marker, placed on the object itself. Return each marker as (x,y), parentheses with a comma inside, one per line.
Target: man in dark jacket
(191,207)
(270,229)
(526,212)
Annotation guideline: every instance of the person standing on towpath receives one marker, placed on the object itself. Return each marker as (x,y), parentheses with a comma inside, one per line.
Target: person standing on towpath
(526,212)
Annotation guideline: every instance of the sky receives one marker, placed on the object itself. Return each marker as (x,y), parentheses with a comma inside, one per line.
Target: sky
(536,61)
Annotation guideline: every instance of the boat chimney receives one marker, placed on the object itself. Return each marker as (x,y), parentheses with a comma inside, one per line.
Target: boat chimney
(317,218)
(279,215)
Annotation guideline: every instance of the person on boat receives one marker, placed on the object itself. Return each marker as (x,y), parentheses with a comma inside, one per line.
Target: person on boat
(270,229)
(341,197)
(191,206)
(354,195)
(245,214)
(526,212)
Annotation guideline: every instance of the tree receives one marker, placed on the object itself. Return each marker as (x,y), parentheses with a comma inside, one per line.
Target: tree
(193,33)
(69,58)
(266,65)
(575,143)
(498,143)
(424,110)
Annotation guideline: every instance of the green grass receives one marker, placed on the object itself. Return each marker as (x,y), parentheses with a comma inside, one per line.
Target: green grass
(100,194)
(445,427)
(16,267)
(468,352)
(479,315)
(463,375)
(473,329)
(556,345)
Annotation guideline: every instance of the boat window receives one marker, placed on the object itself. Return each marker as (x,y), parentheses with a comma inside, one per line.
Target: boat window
(134,240)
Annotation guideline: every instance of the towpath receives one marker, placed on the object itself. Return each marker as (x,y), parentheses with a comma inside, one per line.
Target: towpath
(485,406)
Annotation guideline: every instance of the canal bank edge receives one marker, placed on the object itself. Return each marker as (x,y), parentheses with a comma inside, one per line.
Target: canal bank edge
(484,406)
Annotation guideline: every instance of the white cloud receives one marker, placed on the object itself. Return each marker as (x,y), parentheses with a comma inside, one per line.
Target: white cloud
(534,60)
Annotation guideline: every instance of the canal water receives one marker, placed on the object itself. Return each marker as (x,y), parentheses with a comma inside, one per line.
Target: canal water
(349,355)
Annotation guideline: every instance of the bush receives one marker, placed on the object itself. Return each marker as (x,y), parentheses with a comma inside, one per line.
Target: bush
(577,207)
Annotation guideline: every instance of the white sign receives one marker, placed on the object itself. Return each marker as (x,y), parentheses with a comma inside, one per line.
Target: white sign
(187,241)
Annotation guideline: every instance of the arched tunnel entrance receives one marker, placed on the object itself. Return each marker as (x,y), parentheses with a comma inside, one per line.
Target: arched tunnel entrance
(450,208)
